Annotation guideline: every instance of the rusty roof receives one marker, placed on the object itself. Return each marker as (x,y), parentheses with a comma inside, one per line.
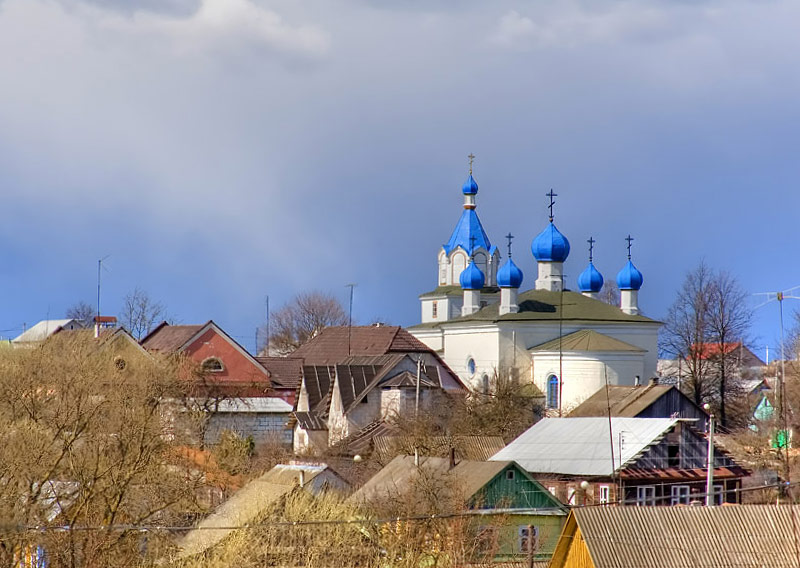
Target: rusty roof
(286,372)
(680,537)
(169,338)
(334,344)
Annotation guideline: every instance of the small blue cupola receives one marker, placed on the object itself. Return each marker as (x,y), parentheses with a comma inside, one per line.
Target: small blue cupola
(629,278)
(590,281)
(470,186)
(471,277)
(550,245)
(509,275)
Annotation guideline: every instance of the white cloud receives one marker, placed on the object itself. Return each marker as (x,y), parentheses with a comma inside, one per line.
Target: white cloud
(215,26)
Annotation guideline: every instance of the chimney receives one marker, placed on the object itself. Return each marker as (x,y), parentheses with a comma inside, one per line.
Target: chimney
(637,380)
(653,381)
(302,478)
(452,457)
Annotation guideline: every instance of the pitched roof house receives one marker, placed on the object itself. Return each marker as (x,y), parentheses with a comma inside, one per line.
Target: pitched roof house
(642,401)
(45,329)
(257,405)
(499,487)
(643,461)
(349,396)
(255,498)
(746,536)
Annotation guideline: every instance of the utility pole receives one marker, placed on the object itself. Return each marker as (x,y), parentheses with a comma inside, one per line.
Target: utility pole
(710,461)
(782,436)
(416,404)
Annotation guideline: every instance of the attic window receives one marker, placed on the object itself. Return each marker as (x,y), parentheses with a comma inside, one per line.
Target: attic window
(213,365)
(510,475)
(119,363)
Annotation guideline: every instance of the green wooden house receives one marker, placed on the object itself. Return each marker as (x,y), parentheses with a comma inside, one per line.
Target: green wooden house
(512,515)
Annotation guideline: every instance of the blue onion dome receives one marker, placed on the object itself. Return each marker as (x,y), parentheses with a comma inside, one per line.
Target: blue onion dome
(550,245)
(590,280)
(472,278)
(509,275)
(629,278)
(470,186)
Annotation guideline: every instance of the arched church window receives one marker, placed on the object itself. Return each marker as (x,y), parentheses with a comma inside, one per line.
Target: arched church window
(435,309)
(485,383)
(459,264)
(480,262)
(552,391)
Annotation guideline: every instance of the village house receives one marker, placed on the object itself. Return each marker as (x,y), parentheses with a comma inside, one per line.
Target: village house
(747,536)
(521,518)
(357,379)
(652,400)
(628,461)
(234,389)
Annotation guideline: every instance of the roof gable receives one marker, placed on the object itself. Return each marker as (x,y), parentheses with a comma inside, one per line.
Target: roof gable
(168,338)
(587,340)
(625,401)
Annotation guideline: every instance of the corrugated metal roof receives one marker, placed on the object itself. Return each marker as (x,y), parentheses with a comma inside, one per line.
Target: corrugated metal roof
(741,536)
(581,446)
(587,340)
(45,329)
(310,421)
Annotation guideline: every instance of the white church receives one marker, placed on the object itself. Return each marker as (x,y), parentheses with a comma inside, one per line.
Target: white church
(568,343)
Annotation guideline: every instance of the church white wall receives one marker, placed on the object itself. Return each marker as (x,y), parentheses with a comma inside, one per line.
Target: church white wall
(583,373)
(480,343)
(433,338)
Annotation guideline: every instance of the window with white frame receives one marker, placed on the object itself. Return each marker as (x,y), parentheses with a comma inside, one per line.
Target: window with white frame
(527,538)
(679,495)
(434,309)
(552,391)
(552,490)
(646,495)
(571,496)
(603,494)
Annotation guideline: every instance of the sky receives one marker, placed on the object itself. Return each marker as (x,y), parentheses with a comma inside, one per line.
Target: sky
(219,152)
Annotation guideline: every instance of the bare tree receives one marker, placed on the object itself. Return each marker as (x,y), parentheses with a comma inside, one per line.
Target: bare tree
(80,311)
(609,293)
(729,319)
(704,327)
(686,331)
(83,445)
(302,319)
(140,312)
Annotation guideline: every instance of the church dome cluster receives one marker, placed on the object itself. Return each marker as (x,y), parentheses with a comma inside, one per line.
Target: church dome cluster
(479,261)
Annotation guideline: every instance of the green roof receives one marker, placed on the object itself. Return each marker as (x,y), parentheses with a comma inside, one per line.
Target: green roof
(456,291)
(587,340)
(544,305)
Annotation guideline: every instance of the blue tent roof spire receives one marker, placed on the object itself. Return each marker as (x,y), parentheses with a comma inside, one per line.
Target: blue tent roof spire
(469,225)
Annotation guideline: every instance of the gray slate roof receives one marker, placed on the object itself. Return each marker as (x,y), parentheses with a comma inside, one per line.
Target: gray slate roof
(587,340)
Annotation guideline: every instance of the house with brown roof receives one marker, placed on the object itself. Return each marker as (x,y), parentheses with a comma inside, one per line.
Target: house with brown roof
(745,536)
(246,397)
(354,380)
(652,400)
